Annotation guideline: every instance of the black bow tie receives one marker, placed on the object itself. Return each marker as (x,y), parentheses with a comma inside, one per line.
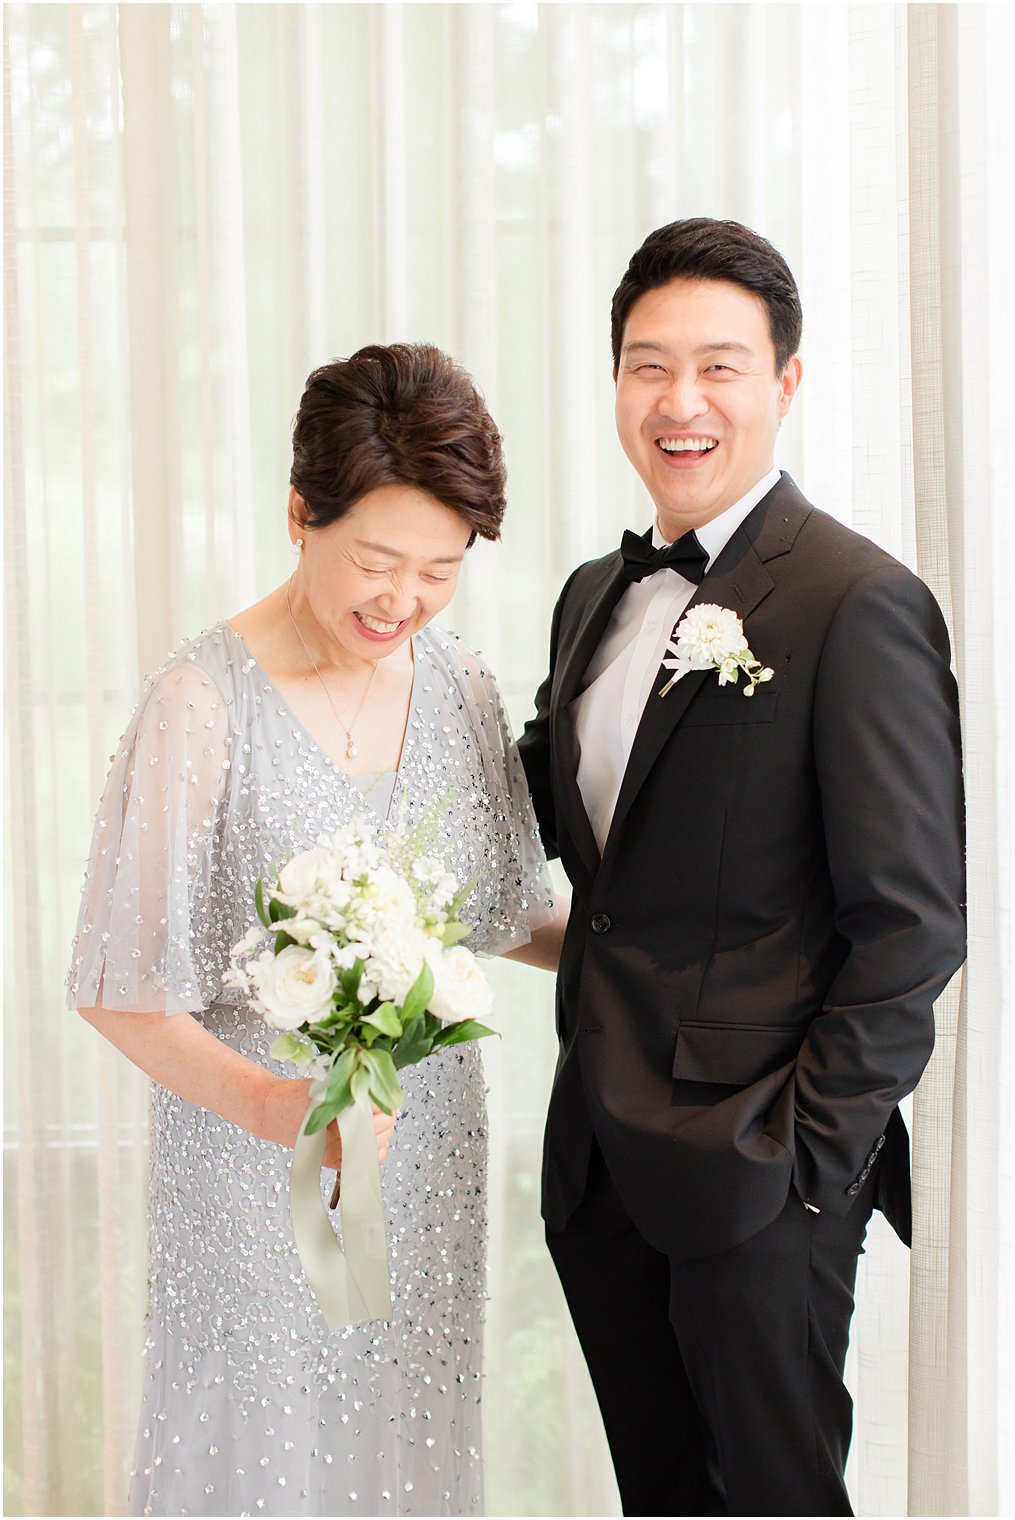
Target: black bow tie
(686,556)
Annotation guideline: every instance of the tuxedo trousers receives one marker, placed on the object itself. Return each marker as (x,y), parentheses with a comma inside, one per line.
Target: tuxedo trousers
(719,1378)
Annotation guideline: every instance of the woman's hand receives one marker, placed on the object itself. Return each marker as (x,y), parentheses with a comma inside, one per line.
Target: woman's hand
(177,1051)
(290,1102)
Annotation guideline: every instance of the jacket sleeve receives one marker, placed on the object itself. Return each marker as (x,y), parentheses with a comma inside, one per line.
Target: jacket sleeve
(535,746)
(888,759)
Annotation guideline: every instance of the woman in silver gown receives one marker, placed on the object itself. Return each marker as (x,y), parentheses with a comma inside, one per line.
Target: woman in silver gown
(332,696)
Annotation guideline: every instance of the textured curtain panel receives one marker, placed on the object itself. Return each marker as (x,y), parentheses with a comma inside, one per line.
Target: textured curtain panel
(201,203)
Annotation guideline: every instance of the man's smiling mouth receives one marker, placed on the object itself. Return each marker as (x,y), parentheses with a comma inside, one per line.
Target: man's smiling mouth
(687,445)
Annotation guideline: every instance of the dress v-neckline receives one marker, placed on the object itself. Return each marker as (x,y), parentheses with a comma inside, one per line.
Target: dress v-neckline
(347,777)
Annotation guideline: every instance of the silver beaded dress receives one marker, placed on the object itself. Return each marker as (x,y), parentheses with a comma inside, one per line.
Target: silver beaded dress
(251,1406)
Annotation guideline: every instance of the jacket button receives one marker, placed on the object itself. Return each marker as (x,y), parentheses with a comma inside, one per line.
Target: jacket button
(872,1158)
(880,1143)
(600,923)
(865,1174)
(853,1190)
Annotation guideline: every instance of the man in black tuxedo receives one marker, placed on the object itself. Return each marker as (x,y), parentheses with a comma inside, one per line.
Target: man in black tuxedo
(767,901)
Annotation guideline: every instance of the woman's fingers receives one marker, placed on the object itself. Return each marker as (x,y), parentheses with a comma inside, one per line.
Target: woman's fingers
(384,1128)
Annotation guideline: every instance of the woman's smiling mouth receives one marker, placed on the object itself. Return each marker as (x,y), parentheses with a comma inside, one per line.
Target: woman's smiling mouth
(379,628)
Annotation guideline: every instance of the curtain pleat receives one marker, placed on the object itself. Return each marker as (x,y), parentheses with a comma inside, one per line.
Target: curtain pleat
(202,203)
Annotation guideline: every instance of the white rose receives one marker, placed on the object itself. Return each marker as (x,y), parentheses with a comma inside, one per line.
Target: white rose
(709,634)
(293,988)
(301,877)
(461,991)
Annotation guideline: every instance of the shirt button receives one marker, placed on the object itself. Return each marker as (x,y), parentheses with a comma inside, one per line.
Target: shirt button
(599,923)
(853,1190)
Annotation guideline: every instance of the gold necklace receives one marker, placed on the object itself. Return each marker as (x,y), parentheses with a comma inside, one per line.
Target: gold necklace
(351,751)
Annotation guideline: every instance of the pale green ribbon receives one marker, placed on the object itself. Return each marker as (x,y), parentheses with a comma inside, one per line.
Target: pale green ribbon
(348,1280)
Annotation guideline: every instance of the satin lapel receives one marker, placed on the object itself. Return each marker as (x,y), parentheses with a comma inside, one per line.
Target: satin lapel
(739,581)
(578,644)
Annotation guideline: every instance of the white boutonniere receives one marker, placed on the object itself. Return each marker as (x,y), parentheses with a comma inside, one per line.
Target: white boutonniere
(712,638)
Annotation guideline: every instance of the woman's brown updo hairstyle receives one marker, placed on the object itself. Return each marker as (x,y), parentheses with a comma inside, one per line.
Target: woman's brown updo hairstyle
(406,415)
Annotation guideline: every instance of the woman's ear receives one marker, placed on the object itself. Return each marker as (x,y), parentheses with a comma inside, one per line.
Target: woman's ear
(297,516)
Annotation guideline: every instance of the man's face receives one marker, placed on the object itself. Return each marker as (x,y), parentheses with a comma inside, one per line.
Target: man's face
(698,398)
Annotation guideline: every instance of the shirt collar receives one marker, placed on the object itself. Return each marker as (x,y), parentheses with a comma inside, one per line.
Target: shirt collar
(715,535)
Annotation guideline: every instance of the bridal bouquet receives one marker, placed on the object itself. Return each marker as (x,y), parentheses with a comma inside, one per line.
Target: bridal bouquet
(364,974)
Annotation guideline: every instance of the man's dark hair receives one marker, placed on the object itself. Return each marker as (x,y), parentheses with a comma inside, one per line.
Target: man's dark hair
(702,249)
(407,415)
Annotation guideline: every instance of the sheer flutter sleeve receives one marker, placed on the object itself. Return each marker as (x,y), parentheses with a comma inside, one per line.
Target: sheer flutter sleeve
(517,890)
(153,851)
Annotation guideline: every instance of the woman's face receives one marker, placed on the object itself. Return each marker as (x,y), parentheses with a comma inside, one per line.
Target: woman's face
(381,572)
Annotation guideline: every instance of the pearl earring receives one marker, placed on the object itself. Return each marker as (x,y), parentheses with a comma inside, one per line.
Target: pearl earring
(297,547)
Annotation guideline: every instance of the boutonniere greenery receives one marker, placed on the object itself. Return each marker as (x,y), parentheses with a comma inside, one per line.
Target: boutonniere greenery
(712,638)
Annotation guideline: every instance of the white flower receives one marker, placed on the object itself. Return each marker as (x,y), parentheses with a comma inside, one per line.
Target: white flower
(294,987)
(253,938)
(709,637)
(346,956)
(384,904)
(461,991)
(427,868)
(305,931)
(353,848)
(302,877)
(395,961)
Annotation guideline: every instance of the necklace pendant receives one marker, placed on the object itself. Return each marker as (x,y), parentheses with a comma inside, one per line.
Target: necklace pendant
(351,751)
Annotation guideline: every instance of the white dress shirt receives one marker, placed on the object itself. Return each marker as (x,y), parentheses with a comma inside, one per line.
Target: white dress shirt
(620,674)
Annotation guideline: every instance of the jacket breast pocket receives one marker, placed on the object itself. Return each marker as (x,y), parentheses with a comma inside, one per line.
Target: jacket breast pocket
(729,705)
(737,1054)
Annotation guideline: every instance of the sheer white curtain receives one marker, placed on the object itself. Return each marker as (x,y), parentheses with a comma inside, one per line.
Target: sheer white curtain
(203,202)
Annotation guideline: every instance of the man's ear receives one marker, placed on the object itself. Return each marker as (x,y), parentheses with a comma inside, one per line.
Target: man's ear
(789,380)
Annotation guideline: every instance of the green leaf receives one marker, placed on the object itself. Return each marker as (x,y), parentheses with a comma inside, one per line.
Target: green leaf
(262,911)
(282,941)
(333,1017)
(277,910)
(385,1020)
(341,1072)
(458,1034)
(384,1085)
(322,1116)
(350,978)
(360,1087)
(451,933)
(418,996)
(415,1045)
(289,1047)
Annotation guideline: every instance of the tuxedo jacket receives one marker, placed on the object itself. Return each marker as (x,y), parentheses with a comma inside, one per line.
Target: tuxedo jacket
(747,981)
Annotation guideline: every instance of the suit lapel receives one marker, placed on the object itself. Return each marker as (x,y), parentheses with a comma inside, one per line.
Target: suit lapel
(581,644)
(739,580)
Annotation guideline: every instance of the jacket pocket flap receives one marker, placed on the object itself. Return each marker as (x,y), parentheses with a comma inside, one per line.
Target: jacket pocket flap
(738,1054)
(729,705)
